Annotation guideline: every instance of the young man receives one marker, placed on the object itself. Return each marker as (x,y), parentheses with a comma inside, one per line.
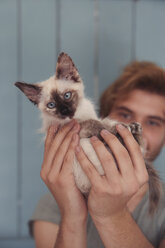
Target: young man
(118,201)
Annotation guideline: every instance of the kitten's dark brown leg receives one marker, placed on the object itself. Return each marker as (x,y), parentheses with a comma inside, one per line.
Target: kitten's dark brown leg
(90,128)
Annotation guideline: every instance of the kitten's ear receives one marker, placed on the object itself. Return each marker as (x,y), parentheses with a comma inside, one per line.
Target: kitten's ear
(66,69)
(32,91)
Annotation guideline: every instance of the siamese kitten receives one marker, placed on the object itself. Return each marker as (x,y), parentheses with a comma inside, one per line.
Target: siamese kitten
(61,98)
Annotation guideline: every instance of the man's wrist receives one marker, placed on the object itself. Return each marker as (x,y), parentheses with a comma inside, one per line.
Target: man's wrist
(73,224)
(72,233)
(120,230)
(111,220)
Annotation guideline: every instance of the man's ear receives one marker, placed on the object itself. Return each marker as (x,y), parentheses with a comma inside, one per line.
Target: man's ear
(32,91)
(66,70)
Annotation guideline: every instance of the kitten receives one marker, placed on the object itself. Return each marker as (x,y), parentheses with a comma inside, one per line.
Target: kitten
(61,98)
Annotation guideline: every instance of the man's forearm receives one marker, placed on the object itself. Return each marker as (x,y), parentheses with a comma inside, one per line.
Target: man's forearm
(71,235)
(121,231)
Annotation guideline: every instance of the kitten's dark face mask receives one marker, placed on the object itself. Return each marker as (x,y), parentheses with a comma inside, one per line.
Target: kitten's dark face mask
(63,106)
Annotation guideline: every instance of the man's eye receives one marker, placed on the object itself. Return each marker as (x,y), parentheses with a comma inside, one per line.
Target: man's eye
(125,116)
(153,123)
(51,105)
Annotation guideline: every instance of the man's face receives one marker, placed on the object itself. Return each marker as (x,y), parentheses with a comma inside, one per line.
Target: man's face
(149,110)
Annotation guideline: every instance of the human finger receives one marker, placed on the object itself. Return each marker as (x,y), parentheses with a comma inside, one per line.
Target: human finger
(106,159)
(58,138)
(90,171)
(59,158)
(70,154)
(120,153)
(134,152)
(48,159)
(49,138)
(48,141)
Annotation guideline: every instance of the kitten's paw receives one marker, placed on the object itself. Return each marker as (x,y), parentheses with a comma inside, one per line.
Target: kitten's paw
(136,128)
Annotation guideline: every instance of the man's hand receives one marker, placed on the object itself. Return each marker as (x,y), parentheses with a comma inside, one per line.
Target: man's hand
(57,173)
(125,174)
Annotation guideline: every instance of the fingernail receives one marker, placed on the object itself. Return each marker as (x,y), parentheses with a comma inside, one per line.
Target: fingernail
(120,126)
(71,123)
(104,132)
(53,128)
(50,129)
(94,138)
(78,149)
(76,127)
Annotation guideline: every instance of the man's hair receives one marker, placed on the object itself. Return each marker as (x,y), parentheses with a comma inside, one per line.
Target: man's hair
(143,75)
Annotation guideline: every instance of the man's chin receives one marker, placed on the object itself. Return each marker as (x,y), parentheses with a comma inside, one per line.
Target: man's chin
(151,157)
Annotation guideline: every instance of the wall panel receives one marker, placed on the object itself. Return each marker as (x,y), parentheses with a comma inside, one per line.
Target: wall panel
(38,62)
(115,39)
(8,122)
(150,31)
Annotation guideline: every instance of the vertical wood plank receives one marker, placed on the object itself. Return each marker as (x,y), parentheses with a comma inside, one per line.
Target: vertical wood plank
(8,110)
(38,36)
(115,41)
(150,42)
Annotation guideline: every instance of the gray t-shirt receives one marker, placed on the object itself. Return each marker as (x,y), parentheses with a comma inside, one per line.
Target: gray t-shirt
(153,227)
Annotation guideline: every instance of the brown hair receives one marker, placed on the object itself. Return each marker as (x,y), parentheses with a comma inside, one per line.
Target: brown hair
(143,75)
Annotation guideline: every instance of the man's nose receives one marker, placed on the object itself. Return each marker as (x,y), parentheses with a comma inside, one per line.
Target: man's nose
(145,143)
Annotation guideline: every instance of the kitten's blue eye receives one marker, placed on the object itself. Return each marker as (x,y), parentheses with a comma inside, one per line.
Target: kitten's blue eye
(51,105)
(67,95)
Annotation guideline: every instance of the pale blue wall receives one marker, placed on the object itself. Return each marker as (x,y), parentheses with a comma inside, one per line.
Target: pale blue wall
(101,37)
